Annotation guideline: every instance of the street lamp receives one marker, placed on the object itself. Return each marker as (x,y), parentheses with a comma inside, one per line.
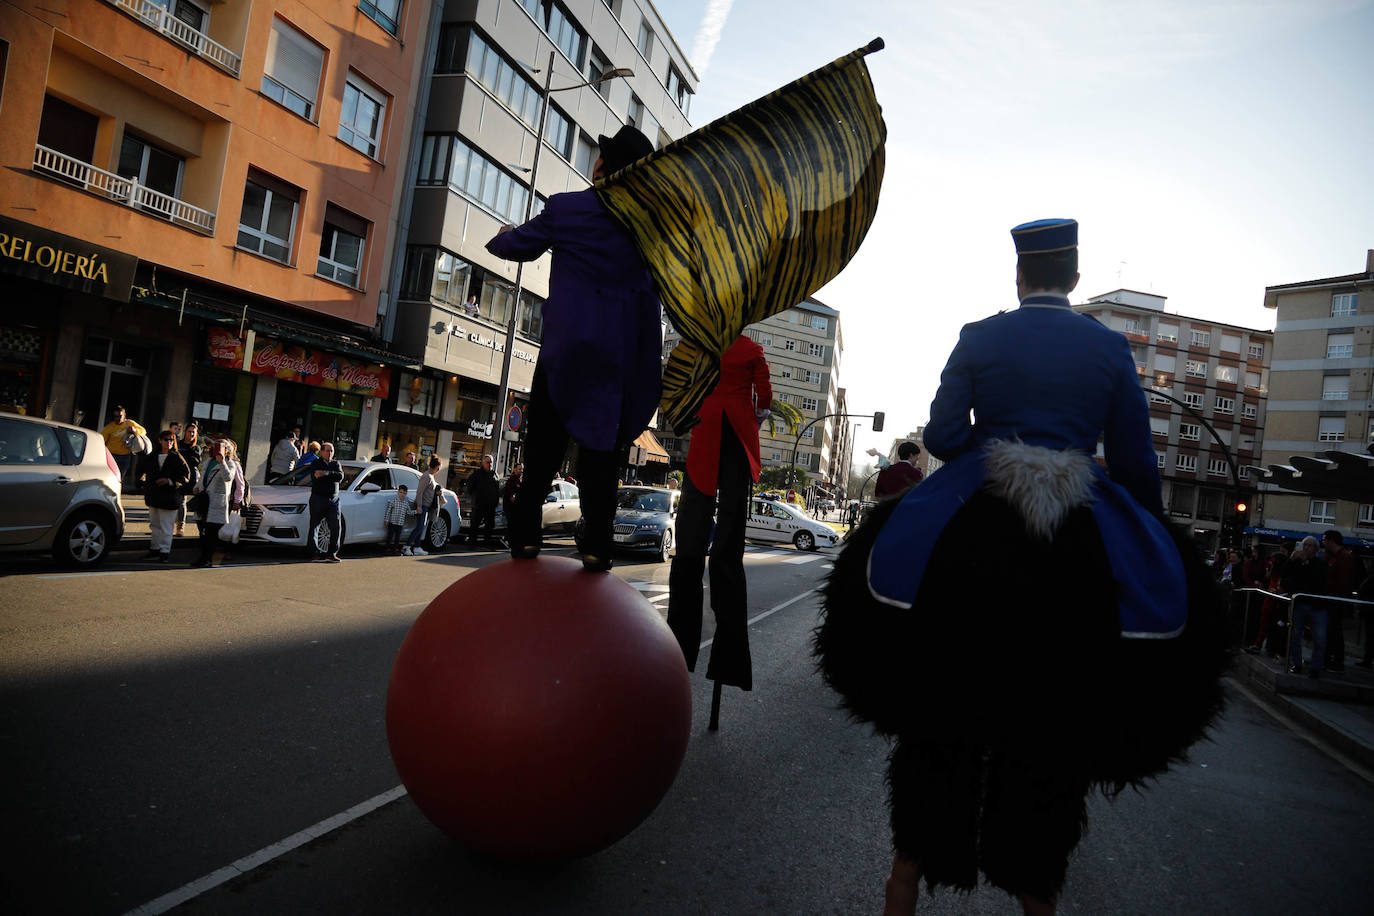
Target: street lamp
(514,322)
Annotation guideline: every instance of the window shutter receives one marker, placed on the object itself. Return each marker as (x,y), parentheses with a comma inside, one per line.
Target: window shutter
(342,219)
(294,61)
(278,187)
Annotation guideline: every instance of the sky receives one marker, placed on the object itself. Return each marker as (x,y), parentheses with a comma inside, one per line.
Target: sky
(1207,149)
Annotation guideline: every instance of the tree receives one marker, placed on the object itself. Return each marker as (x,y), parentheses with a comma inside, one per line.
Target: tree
(782,411)
(775,478)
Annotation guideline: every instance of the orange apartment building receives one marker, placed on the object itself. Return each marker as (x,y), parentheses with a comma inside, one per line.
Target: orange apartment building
(199,201)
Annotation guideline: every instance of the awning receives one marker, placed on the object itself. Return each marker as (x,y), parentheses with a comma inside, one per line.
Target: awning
(653,450)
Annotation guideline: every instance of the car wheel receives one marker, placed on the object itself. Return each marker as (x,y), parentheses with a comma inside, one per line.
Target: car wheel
(83,541)
(320,536)
(438,532)
(804,540)
(665,544)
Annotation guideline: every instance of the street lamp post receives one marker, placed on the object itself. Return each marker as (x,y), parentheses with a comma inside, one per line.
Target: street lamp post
(514,322)
(796,444)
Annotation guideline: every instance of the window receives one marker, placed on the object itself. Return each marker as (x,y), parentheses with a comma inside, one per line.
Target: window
(1138,354)
(67,129)
(1255,351)
(1165,363)
(555,20)
(635,114)
(1217,467)
(531,315)
(445,159)
(815,349)
(1132,326)
(1193,399)
(1246,443)
(677,88)
(267,222)
(1209,504)
(1322,512)
(386,13)
(1227,374)
(1158,399)
(1195,368)
(1340,346)
(597,67)
(341,246)
(1344,305)
(585,156)
(291,74)
(1159,426)
(432,273)
(812,375)
(1366,515)
(1190,431)
(809,403)
(1181,500)
(789,344)
(1249,411)
(1167,333)
(1186,463)
(497,296)
(1331,429)
(1230,343)
(820,322)
(150,166)
(1159,460)
(809,434)
(360,122)
(1252,380)
(646,40)
(1336,388)
(1225,405)
(418,394)
(29,444)
(1202,338)
(507,83)
(785,372)
(762,339)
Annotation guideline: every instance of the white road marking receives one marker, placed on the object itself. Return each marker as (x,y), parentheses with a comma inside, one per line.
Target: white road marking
(771,611)
(650,586)
(263,856)
(807,558)
(660,597)
(80,575)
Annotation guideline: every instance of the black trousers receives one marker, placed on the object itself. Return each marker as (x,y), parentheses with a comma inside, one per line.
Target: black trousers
(328,510)
(730,662)
(483,518)
(546,444)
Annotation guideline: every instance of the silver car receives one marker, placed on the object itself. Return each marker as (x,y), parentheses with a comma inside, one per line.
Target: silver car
(561,512)
(280,511)
(645,519)
(59,491)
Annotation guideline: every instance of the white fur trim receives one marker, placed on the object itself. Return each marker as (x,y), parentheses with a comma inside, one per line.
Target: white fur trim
(1042,484)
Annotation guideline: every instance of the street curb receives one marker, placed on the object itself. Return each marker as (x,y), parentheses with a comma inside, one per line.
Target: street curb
(1266,686)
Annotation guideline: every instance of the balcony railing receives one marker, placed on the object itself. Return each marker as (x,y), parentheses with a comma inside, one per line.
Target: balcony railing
(122,190)
(155,16)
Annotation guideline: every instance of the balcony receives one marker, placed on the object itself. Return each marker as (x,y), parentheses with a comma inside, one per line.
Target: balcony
(122,190)
(159,19)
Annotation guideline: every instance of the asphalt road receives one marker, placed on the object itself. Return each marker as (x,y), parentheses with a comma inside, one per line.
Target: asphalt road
(158,724)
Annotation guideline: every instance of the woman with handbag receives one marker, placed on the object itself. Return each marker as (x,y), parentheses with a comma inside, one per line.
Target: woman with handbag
(189,449)
(219,492)
(160,475)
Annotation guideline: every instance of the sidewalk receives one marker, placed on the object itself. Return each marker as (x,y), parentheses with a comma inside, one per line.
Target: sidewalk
(138,533)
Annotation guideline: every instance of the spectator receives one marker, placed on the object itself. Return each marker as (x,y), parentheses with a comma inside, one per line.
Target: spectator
(901,475)
(426,496)
(286,453)
(1270,628)
(513,482)
(161,475)
(324,503)
(222,483)
(384,455)
(672,483)
(483,490)
(190,450)
(310,455)
(396,512)
(1305,574)
(410,461)
(114,434)
(1341,579)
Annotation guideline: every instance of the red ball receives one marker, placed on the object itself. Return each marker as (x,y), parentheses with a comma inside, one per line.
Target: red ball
(537,710)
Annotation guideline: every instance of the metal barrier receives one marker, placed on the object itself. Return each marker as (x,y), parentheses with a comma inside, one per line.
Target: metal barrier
(1250,591)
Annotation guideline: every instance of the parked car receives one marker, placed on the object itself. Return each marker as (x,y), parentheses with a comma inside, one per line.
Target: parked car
(562,510)
(783,523)
(280,511)
(645,519)
(59,491)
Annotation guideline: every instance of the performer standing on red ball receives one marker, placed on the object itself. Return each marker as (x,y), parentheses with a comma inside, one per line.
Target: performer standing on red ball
(723,458)
(598,376)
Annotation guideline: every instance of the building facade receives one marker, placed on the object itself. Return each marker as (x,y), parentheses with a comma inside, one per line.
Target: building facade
(473,158)
(1321,394)
(197,214)
(1197,373)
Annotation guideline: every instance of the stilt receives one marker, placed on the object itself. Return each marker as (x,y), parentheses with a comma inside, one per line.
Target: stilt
(714,724)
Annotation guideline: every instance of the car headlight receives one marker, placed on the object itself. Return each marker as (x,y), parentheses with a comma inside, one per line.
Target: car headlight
(286,509)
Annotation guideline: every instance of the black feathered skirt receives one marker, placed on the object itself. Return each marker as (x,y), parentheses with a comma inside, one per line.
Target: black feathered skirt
(1009,689)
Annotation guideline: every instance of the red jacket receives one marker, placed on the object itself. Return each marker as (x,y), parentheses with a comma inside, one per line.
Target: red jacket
(743,384)
(897,477)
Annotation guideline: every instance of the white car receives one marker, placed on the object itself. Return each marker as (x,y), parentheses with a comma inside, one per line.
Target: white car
(280,511)
(782,523)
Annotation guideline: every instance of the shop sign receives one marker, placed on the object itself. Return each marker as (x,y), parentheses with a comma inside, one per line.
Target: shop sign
(298,364)
(479,429)
(490,342)
(64,261)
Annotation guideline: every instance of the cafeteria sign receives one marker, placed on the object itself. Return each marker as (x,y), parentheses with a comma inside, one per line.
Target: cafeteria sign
(293,363)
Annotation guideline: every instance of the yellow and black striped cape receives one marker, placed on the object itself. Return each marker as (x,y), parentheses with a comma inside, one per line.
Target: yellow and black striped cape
(752,213)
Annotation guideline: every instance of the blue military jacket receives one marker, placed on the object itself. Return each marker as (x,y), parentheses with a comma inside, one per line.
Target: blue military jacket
(602,330)
(1050,377)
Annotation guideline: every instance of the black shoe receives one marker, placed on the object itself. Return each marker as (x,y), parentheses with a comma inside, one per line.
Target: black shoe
(593,563)
(524,551)
(1252,650)
(163,558)
(151,555)
(1295,669)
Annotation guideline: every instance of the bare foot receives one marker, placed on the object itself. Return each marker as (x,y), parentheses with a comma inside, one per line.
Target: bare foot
(903,886)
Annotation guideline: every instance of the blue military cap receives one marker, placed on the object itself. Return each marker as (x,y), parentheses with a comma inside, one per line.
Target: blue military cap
(1045,236)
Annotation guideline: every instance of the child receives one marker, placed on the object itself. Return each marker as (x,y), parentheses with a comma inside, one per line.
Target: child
(396,512)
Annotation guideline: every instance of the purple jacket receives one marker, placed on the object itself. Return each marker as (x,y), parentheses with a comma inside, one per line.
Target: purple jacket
(602,330)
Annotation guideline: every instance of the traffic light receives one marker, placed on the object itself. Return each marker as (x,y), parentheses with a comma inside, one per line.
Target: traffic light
(878,421)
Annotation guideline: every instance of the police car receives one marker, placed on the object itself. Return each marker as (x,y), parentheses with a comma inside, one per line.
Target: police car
(782,523)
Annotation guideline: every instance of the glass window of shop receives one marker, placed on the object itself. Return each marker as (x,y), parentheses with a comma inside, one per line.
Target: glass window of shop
(222,403)
(112,373)
(323,414)
(21,362)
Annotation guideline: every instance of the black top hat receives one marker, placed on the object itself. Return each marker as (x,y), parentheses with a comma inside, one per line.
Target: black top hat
(627,146)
